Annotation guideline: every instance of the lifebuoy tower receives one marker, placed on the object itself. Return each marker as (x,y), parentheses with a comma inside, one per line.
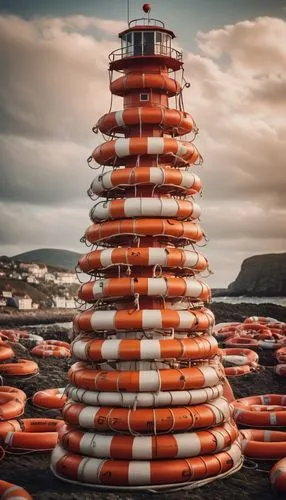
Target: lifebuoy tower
(146,405)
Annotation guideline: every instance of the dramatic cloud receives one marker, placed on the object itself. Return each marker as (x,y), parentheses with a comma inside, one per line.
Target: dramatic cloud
(54,88)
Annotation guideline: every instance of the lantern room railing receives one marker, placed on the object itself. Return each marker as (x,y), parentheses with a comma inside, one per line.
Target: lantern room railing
(145,21)
(142,50)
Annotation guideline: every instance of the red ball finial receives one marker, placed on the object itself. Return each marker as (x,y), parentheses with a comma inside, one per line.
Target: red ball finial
(146,7)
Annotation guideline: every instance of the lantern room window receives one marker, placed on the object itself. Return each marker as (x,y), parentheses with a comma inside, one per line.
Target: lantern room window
(146,43)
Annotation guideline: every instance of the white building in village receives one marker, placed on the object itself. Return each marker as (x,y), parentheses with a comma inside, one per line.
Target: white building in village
(64,303)
(66,278)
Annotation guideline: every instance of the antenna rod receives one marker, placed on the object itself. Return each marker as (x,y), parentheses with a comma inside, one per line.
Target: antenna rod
(128,17)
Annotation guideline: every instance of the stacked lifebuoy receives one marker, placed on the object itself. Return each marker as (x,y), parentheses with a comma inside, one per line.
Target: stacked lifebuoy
(148,378)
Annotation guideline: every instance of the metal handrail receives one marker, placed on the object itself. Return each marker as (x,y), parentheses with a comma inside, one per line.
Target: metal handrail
(128,51)
(144,21)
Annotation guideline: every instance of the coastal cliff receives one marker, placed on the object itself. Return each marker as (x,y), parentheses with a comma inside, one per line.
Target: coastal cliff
(261,276)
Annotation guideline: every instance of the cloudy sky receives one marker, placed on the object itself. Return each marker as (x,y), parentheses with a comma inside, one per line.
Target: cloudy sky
(54,87)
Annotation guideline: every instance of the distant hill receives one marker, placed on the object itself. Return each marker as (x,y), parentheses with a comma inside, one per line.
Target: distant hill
(261,276)
(52,257)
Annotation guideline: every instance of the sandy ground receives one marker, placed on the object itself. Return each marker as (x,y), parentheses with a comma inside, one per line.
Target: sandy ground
(33,473)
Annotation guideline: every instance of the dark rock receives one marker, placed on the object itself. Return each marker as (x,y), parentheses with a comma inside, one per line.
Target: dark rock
(261,276)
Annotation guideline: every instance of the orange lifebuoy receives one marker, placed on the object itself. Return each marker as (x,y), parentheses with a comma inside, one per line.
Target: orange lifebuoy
(21,367)
(151,287)
(174,151)
(173,258)
(88,348)
(124,231)
(190,319)
(85,377)
(12,402)
(174,120)
(244,359)
(145,473)
(49,350)
(278,475)
(263,444)
(145,399)
(136,81)
(5,351)
(280,355)
(163,179)
(164,446)
(145,207)
(241,342)
(9,491)
(280,369)
(34,434)
(267,410)
(256,330)
(50,398)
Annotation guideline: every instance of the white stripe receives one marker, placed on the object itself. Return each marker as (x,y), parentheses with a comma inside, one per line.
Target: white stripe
(57,454)
(139,473)
(87,416)
(110,349)
(89,470)
(210,375)
(150,349)
(149,380)
(95,445)
(188,179)
(142,447)
(196,211)
(98,288)
(79,349)
(182,149)
(219,440)
(186,319)
(151,207)
(235,452)
(194,288)
(122,147)
(267,435)
(191,259)
(151,319)
(157,286)
(189,445)
(156,175)
(105,257)
(103,320)
(155,145)
(132,207)
(157,256)
(119,118)
(272,418)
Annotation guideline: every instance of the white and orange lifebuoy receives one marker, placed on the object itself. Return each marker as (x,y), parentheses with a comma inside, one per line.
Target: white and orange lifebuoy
(35,434)
(195,320)
(241,342)
(50,398)
(164,179)
(140,81)
(280,369)
(166,446)
(245,360)
(50,351)
(118,473)
(86,377)
(88,348)
(268,410)
(145,207)
(9,491)
(280,355)
(262,444)
(172,258)
(19,368)
(125,230)
(6,352)
(170,120)
(144,399)
(151,287)
(174,151)
(147,420)
(12,402)
(278,475)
